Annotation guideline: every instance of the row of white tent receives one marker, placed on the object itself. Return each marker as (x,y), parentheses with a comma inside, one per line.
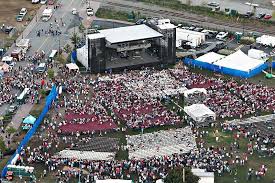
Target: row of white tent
(266,40)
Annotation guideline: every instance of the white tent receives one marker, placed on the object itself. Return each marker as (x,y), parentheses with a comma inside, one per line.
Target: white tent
(257,54)
(205,177)
(210,57)
(199,112)
(266,40)
(82,55)
(240,61)
(72,66)
(195,90)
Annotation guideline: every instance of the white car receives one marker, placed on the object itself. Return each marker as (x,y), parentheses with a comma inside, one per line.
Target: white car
(43,1)
(35,1)
(74,11)
(90,11)
(222,35)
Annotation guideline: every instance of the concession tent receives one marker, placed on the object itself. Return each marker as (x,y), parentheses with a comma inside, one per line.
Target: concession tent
(199,112)
(29,120)
(72,66)
(195,90)
(236,64)
(257,54)
(4,67)
(205,177)
(266,40)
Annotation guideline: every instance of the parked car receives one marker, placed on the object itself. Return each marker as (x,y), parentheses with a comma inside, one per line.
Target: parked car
(8,29)
(198,29)
(248,14)
(210,34)
(12,108)
(19,18)
(222,36)
(43,1)
(267,16)
(74,11)
(213,4)
(35,1)
(140,21)
(23,11)
(41,68)
(90,11)
(191,28)
(260,15)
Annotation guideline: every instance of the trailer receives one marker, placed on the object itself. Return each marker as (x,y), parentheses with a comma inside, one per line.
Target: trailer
(24,44)
(47,14)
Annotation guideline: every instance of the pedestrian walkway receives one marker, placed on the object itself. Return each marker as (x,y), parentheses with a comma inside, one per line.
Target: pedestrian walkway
(17,119)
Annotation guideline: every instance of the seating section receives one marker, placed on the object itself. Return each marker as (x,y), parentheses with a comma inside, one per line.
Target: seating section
(161,143)
(99,144)
(85,155)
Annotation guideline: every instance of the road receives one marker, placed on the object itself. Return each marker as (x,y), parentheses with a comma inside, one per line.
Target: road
(48,42)
(239,5)
(186,17)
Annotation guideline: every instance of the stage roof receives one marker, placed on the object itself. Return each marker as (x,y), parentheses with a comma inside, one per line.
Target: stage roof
(129,33)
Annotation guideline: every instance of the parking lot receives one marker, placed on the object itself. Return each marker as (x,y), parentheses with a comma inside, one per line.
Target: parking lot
(8,11)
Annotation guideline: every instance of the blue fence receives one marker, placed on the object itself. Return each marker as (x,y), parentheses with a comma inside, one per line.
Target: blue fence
(49,100)
(225,70)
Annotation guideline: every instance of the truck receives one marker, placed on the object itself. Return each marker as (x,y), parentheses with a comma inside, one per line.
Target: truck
(47,14)
(24,44)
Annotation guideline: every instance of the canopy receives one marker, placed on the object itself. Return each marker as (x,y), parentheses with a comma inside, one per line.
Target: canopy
(29,120)
(239,61)
(4,67)
(195,90)
(210,57)
(199,112)
(7,59)
(72,66)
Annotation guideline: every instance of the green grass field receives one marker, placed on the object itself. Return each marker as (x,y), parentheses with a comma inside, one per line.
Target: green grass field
(254,161)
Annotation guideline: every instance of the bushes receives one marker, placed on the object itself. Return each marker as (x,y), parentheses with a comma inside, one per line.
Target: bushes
(247,40)
(51,73)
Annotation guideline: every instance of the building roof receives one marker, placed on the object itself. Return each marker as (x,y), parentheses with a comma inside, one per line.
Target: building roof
(129,33)
(166,26)
(96,36)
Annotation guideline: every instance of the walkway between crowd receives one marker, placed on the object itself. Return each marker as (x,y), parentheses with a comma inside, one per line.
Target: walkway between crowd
(16,121)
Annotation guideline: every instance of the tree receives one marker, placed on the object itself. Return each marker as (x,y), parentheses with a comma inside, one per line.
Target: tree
(51,73)
(67,48)
(75,40)
(175,176)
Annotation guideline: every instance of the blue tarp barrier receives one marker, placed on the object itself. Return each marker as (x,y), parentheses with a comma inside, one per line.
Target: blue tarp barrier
(73,56)
(49,100)
(225,70)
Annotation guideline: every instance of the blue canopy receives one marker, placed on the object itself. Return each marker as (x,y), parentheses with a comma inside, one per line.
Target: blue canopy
(29,120)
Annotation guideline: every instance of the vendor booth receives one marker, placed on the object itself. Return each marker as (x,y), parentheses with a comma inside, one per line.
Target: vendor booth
(200,113)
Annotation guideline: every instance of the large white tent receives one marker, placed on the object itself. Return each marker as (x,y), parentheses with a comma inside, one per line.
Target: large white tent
(266,40)
(210,57)
(239,61)
(199,112)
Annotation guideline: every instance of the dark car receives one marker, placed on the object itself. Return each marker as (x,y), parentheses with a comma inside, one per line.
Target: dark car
(248,14)
(8,29)
(260,15)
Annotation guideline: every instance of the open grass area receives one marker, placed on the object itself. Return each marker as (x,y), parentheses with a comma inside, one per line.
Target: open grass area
(254,161)
(112,14)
